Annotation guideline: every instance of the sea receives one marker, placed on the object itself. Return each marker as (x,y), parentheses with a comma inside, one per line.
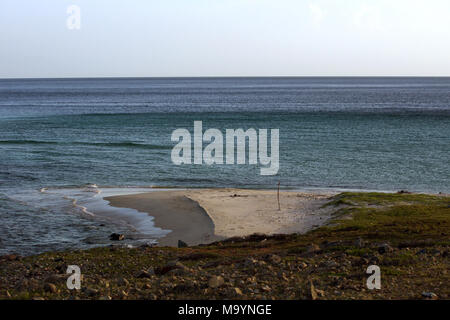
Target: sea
(65,144)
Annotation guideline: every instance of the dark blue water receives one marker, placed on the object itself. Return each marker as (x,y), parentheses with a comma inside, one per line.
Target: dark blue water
(335,133)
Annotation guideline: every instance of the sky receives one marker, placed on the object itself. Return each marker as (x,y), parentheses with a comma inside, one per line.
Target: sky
(176,38)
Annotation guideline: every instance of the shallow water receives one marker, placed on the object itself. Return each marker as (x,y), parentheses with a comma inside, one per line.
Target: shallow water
(335,133)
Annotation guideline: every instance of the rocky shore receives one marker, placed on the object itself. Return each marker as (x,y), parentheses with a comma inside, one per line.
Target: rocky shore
(406,235)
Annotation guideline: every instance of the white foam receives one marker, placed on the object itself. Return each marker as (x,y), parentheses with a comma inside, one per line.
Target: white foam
(89,200)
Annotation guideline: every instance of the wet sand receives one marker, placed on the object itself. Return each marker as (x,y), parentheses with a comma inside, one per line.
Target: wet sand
(172,210)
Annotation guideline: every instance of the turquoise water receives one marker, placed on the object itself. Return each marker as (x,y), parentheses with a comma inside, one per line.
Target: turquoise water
(335,133)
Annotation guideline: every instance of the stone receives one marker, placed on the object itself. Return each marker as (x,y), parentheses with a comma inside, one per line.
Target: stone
(123,282)
(177,272)
(320,293)
(171,265)
(215,281)
(359,243)
(266,288)
(144,274)
(435,252)
(329,264)
(430,295)
(182,244)
(385,248)
(90,292)
(147,286)
(56,278)
(313,292)
(238,291)
(275,259)
(117,237)
(50,287)
(302,265)
(313,248)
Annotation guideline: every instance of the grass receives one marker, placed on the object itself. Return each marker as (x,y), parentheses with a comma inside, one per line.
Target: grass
(393,217)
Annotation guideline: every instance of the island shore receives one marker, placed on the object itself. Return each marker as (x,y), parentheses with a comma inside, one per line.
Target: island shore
(198,216)
(406,235)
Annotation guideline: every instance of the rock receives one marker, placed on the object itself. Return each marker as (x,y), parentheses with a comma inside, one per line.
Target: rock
(50,287)
(215,281)
(171,265)
(238,291)
(275,259)
(177,272)
(359,243)
(313,248)
(332,244)
(147,286)
(56,278)
(90,292)
(105,298)
(302,265)
(435,252)
(38,299)
(320,293)
(329,264)
(22,285)
(266,288)
(117,237)
(423,251)
(182,244)
(384,248)
(249,262)
(313,292)
(123,282)
(61,268)
(104,283)
(144,274)
(29,285)
(430,295)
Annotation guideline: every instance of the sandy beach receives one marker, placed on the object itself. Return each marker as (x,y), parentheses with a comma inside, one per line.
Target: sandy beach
(207,215)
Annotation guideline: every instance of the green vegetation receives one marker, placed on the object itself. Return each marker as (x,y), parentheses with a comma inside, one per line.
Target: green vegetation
(393,217)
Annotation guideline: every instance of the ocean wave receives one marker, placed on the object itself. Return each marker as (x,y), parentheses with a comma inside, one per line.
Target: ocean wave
(80,207)
(125,144)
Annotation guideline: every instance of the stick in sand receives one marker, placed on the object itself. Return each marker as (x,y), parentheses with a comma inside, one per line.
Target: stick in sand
(278,196)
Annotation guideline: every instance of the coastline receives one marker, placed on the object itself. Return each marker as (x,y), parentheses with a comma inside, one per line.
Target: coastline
(407,235)
(201,216)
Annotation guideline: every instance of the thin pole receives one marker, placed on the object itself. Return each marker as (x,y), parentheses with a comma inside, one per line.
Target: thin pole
(278,196)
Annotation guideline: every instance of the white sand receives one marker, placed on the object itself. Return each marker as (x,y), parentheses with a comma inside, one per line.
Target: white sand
(256,211)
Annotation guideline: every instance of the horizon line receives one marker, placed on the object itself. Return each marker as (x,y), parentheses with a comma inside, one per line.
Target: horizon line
(218,77)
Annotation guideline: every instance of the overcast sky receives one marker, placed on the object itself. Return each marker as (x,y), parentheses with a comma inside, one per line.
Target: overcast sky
(149,38)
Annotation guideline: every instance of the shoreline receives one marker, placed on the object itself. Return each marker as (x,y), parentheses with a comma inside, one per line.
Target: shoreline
(172,211)
(407,235)
(201,216)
